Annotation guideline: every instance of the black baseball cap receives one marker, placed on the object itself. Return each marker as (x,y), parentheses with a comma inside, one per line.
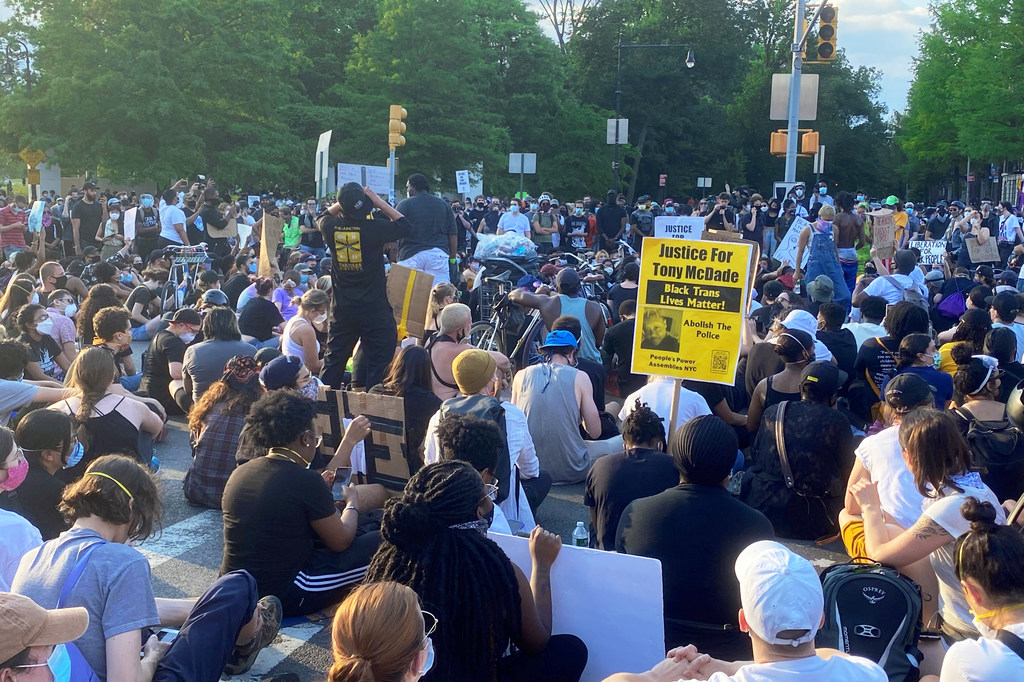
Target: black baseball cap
(906,391)
(822,379)
(1005,304)
(187,316)
(985,271)
(353,200)
(89,184)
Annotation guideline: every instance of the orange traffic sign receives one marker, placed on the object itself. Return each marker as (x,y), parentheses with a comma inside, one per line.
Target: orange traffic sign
(32,157)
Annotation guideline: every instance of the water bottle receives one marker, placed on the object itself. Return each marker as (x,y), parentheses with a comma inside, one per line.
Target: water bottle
(580,535)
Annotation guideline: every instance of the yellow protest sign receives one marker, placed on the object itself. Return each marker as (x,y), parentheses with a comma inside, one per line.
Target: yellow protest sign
(32,156)
(690,308)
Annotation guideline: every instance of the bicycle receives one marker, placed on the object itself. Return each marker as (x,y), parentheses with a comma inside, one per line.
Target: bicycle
(507,323)
(182,276)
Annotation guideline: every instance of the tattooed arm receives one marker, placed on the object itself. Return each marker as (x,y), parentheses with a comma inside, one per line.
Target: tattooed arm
(896,549)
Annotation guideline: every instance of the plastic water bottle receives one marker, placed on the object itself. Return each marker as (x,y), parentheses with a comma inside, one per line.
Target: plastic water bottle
(580,535)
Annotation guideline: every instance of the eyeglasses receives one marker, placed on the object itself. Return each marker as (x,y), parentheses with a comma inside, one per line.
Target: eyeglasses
(319,439)
(432,619)
(491,490)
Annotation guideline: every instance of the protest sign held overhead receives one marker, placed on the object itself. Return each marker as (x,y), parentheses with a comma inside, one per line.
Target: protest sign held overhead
(690,309)
(678,227)
(786,251)
(883,233)
(932,253)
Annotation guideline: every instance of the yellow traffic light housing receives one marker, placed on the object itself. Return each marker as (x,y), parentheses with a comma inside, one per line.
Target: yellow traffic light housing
(777,143)
(809,143)
(828,19)
(396,126)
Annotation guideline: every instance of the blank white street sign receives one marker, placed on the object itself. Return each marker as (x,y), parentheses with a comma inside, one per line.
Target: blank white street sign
(522,163)
(623,131)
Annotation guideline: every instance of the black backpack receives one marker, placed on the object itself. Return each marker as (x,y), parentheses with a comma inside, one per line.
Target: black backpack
(874,612)
(489,408)
(997,451)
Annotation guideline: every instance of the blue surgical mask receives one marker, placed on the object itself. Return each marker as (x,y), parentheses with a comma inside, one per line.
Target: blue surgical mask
(799,192)
(514,208)
(860,197)
(76,456)
(430,658)
(669,210)
(910,211)
(304,278)
(252,268)
(126,279)
(822,190)
(147,202)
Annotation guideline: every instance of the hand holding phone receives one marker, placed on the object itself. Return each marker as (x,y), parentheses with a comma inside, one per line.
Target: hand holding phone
(342,479)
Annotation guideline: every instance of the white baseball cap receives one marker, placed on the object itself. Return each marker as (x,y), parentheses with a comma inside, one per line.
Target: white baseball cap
(779,592)
(802,320)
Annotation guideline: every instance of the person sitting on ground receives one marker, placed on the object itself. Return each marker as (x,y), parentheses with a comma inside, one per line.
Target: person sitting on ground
(700,597)
(970,331)
(380,632)
(618,351)
(782,607)
(941,463)
(556,399)
(116,503)
(642,470)
(918,356)
(17,535)
(203,362)
(435,542)
(299,335)
(840,342)
(215,423)
(46,357)
(17,392)
(144,303)
(48,441)
(259,320)
(624,290)
(162,376)
(452,339)
(113,332)
(568,302)
(796,350)
(106,422)
(287,372)
(1002,345)
(32,639)
(877,357)
(893,287)
(408,377)
(278,501)
(872,312)
(61,306)
(528,485)
(20,292)
(657,394)
(100,296)
(596,372)
(813,448)
(1004,313)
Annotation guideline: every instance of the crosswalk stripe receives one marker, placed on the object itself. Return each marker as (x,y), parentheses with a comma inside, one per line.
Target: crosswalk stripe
(180,538)
(287,642)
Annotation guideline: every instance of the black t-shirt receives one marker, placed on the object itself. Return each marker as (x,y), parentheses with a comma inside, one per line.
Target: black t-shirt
(36,499)
(713,394)
(234,287)
(143,296)
(609,220)
(757,234)
(164,349)
(90,216)
(616,480)
(212,217)
(44,351)
(490,225)
(719,527)
(938,225)
(357,257)
(594,370)
(618,341)
(843,345)
(269,505)
(762,362)
(258,318)
(313,240)
(616,295)
(716,222)
(876,362)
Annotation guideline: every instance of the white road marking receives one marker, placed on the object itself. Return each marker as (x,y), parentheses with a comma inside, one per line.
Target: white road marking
(287,642)
(180,538)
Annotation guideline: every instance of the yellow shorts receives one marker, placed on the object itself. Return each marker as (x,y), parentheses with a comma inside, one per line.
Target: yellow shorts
(853,539)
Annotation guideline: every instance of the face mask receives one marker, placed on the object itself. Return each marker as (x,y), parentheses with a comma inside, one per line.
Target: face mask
(311,389)
(188,337)
(181,197)
(474,266)
(669,210)
(147,203)
(822,190)
(479,204)
(15,209)
(860,197)
(430,658)
(126,279)
(61,282)
(252,268)
(76,456)
(533,207)
(514,209)
(16,477)
(320,319)
(910,211)
(578,211)
(35,299)
(747,208)
(799,192)
(936,360)
(304,279)
(942,211)
(70,309)
(609,271)
(115,216)
(45,327)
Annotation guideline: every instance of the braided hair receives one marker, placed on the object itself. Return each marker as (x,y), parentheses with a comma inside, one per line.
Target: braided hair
(461,576)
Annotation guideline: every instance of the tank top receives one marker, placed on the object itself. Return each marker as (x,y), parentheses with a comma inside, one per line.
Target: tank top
(288,346)
(548,398)
(110,433)
(577,307)
(774,397)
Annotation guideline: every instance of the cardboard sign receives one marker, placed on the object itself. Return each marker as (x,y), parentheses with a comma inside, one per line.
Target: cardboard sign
(786,251)
(229,230)
(409,295)
(691,306)
(983,253)
(269,241)
(624,629)
(932,253)
(130,217)
(883,233)
(384,451)
(678,227)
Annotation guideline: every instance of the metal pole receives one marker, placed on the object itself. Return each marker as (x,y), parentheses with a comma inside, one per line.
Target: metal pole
(391,188)
(618,104)
(794,95)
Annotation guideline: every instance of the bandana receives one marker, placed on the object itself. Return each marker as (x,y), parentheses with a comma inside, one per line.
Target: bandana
(241,372)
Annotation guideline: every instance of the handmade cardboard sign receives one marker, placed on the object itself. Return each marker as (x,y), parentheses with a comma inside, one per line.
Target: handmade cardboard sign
(229,230)
(409,295)
(883,233)
(271,237)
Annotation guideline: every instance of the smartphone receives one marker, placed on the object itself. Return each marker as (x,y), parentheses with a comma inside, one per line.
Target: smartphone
(166,635)
(342,477)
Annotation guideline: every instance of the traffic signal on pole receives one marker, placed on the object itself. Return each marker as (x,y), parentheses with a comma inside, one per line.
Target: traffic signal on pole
(396,126)
(777,143)
(827,34)
(809,143)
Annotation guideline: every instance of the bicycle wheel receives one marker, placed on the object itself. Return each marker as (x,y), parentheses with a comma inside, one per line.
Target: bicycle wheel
(527,351)
(483,335)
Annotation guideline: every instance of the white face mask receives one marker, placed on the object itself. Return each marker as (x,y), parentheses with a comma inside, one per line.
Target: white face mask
(188,337)
(35,298)
(70,310)
(115,216)
(45,327)
(320,319)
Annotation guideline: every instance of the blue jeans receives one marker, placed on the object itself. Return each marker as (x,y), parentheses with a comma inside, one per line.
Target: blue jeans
(140,333)
(274,342)
(132,383)
(770,243)
(318,252)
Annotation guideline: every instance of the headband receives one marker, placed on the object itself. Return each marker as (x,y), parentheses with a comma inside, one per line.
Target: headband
(108,476)
(794,338)
(990,364)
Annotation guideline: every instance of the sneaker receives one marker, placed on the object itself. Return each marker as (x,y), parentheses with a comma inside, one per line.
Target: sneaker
(243,657)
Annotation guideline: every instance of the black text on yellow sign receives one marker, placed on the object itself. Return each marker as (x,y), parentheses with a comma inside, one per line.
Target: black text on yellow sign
(692,301)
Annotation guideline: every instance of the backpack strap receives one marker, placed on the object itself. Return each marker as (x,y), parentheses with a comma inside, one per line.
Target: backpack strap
(76,573)
(893,281)
(1012,642)
(780,442)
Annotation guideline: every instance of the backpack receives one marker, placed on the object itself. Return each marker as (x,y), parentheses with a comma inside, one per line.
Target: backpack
(911,295)
(997,450)
(489,408)
(954,305)
(81,671)
(873,611)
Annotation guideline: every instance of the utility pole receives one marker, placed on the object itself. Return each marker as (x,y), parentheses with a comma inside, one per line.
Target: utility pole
(792,128)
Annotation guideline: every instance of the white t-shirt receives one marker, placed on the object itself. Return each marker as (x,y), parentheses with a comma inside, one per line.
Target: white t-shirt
(812,669)
(1008,228)
(169,217)
(983,660)
(514,222)
(658,396)
(17,536)
(882,456)
(945,511)
(1018,331)
(862,331)
(881,286)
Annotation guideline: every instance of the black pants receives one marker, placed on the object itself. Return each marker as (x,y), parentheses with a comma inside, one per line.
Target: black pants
(537,490)
(562,661)
(328,576)
(374,327)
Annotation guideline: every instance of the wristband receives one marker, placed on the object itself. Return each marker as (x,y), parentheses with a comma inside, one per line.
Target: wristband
(350,506)
(453,261)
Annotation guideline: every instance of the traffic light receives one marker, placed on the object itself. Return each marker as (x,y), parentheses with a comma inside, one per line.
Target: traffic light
(809,142)
(827,34)
(396,126)
(777,143)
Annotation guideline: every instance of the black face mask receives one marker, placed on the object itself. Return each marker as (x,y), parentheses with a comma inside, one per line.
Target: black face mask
(61,282)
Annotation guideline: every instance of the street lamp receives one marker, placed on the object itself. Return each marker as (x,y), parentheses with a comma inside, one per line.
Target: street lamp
(14,51)
(690,62)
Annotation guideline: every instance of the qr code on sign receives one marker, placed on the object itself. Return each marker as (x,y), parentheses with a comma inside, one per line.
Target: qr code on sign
(719,361)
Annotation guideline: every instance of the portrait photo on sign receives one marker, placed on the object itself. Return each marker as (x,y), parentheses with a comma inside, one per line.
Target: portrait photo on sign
(661,330)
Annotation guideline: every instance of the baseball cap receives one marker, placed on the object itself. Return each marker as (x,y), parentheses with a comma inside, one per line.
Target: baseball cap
(550,270)
(821,289)
(113,200)
(892,200)
(934,276)
(567,276)
(528,282)
(1005,305)
(24,624)
(905,259)
(353,200)
(942,203)
(958,204)
(985,271)
(780,594)
(280,372)
(187,316)
(209,277)
(906,391)
(1007,276)
(265,355)
(89,184)
(560,338)
(473,369)
(802,320)
(822,379)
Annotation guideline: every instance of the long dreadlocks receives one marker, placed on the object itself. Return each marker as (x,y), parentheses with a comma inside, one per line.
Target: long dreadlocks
(461,576)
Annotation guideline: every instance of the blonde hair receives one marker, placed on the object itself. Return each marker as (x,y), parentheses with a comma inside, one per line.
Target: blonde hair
(376,635)
(441,291)
(826,212)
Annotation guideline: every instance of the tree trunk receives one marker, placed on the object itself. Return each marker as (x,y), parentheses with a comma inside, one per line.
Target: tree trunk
(636,164)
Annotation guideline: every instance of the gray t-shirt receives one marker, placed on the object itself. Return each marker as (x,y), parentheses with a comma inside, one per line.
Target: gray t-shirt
(204,362)
(14,395)
(432,221)
(115,588)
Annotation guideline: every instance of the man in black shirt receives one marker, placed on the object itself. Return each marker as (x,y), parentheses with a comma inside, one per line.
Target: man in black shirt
(311,241)
(611,222)
(86,217)
(697,529)
(618,344)
(161,376)
(616,480)
(840,342)
(433,241)
(361,310)
(721,217)
(212,217)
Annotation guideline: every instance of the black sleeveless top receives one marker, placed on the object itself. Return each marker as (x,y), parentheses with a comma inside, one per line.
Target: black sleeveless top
(774,397)
(104,434)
